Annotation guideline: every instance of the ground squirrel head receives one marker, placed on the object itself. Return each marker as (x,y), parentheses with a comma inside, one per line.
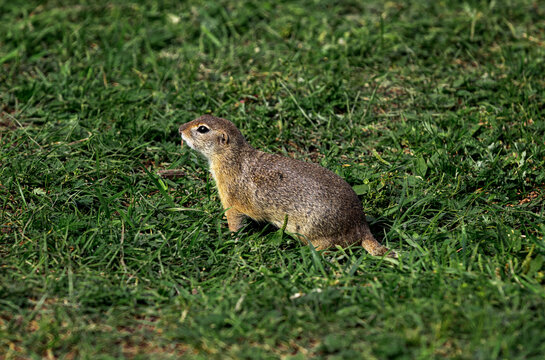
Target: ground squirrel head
(212,136)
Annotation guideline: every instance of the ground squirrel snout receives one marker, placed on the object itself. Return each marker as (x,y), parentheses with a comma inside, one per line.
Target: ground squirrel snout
(319,206)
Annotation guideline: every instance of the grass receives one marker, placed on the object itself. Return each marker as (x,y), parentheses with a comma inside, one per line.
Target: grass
(433,111)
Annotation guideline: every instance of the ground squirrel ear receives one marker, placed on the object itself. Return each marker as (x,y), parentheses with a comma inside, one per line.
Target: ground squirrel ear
(224,138)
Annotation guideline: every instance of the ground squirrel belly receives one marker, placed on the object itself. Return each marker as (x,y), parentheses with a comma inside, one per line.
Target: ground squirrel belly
(320,207)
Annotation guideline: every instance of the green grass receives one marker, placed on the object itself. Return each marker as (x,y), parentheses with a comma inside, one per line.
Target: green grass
(433,111)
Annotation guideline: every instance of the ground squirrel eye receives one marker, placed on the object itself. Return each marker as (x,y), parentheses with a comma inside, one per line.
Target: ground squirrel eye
(203,129)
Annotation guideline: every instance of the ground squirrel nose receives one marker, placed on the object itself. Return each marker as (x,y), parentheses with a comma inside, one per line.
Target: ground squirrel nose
(180,130)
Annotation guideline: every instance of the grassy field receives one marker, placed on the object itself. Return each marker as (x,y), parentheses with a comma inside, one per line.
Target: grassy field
(433,111)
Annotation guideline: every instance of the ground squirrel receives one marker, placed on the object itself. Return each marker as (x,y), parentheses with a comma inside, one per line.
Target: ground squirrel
(313,202)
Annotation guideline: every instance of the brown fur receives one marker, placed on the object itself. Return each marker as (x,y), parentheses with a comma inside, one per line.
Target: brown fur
(320,206)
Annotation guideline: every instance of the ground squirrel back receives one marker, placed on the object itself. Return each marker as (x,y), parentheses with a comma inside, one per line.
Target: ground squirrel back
(319,206)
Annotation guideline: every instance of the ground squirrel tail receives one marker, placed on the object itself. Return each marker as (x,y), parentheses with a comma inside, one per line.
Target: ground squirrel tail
(370,244)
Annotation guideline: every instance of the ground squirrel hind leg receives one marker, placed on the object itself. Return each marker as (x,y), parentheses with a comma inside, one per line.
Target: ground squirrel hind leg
(322,243)
(235,219)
